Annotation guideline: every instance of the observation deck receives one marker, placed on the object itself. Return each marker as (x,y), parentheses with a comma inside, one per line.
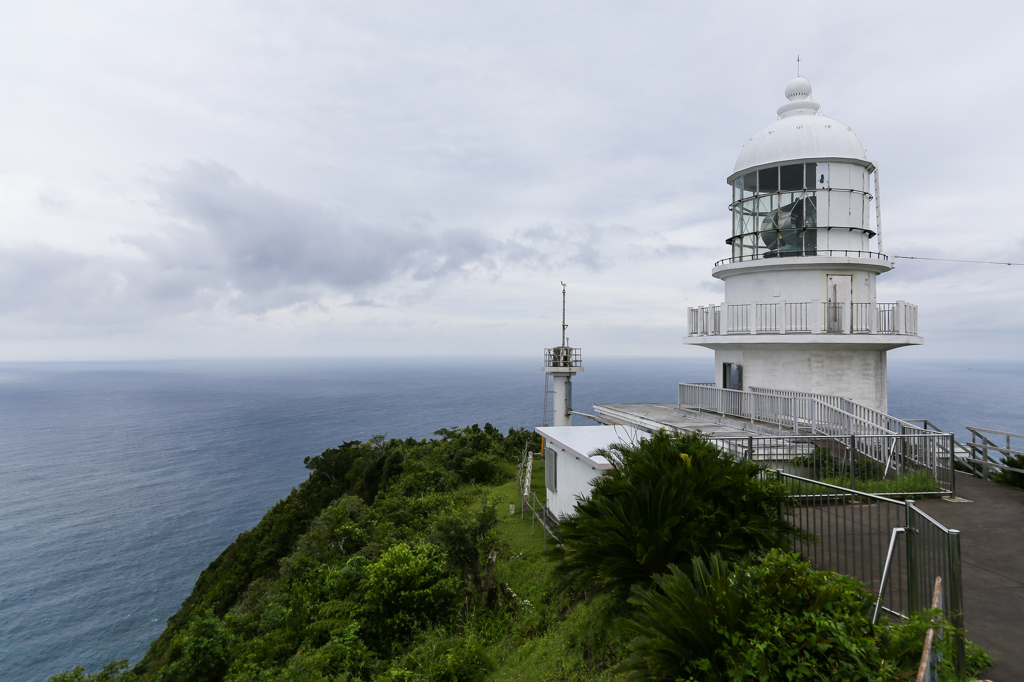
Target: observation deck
(831,322)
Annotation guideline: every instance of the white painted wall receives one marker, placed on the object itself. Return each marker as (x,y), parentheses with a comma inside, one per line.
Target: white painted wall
(562,415)
(795,284)
(575,478)
(861,375)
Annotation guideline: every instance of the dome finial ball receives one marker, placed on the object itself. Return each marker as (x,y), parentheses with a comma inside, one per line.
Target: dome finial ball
(798,88)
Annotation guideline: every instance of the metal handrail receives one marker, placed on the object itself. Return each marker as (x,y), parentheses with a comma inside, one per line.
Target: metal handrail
(828,253)
(885,573)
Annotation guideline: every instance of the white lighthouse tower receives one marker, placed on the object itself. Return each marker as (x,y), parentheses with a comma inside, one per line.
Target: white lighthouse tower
(800,311)
(560,365)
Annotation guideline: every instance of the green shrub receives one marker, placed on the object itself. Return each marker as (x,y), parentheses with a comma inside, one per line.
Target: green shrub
(776,619)
(826,465)
(115,670)
(1011,478)
(405,591)
(200,652)
(665,501)
(902,643)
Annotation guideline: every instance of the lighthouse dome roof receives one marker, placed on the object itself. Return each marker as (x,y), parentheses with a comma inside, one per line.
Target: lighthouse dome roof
(800,133)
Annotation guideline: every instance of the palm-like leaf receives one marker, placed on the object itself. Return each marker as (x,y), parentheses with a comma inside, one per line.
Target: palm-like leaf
(667,500)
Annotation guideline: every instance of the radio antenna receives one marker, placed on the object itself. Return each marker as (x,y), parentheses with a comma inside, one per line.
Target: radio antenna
(564,325)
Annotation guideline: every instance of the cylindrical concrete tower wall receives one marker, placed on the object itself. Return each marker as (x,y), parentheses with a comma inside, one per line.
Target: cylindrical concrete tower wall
(860,375)
(562,395)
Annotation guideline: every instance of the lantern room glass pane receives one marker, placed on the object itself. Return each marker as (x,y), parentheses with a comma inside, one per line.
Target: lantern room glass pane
(810,211)
(768,180)
(737,189)
(810,175)
(749,185)
(791,177)
(810,242)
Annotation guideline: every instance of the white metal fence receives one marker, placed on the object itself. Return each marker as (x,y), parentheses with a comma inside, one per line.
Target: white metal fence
(808,317)
(897,448)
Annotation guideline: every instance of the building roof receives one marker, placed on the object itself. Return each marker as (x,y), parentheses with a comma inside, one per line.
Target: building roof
(800,133)
(582,441)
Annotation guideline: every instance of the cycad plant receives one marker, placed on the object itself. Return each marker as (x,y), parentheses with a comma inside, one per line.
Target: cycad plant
(667,500)
(772,618)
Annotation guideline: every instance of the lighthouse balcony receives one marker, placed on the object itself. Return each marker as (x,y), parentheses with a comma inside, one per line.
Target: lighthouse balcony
(563,356)
(808,317)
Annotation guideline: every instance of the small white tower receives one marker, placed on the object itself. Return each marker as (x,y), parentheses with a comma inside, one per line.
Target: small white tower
(800,311)
(560,365)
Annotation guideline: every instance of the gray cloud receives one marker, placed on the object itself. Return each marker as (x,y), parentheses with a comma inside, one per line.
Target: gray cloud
(230,243)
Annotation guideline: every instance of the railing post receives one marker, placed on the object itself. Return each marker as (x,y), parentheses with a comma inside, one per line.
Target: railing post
(845,316)
(873,317)
(952,464)
(912,531)
(725,317)
(901,317)
(781,318)
(815,316)
(853,450)
(956,604)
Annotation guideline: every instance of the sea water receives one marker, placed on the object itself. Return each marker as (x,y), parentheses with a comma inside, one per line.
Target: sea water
(120,482)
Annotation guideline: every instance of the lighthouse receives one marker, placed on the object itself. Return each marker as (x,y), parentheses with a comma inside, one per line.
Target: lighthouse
(800,312)
(561,364)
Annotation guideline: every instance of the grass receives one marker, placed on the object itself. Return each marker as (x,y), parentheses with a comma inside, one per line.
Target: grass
(905,484)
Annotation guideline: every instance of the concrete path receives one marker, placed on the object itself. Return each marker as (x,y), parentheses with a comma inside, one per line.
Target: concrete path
(992,547)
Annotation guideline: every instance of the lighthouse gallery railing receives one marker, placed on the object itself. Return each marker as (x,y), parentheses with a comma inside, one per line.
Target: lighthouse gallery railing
(807,317)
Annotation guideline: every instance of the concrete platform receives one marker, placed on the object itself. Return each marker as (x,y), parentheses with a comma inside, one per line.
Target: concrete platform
(650,417)
(992,547)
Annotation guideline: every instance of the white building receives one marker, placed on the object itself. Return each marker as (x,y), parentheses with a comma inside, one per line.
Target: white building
(571,463)
(800,311)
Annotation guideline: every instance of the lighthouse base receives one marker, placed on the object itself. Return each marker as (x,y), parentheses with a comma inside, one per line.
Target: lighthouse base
(860,375)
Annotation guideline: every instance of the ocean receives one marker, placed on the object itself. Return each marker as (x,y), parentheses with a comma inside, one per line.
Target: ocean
(120,482)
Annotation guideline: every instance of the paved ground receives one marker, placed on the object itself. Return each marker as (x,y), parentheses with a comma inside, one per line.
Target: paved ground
(992,546)
(652,416)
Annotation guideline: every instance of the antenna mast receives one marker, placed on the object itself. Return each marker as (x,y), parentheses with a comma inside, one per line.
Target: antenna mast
(564,325)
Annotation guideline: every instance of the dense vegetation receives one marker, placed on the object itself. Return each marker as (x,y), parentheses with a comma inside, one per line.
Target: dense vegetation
(392,562)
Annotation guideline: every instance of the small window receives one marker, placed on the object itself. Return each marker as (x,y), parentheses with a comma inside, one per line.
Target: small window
(768,180)
(551,469)
(732,376)
(792,177)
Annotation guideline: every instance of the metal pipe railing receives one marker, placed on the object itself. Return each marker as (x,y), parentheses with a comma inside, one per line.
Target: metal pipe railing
(857,534)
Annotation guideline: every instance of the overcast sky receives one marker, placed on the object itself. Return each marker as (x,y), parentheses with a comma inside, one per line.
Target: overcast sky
(219,179)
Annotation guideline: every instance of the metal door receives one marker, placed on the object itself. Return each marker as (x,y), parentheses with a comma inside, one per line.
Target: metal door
(840,296)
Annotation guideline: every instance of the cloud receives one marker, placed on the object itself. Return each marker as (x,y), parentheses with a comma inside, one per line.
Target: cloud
(235,246)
